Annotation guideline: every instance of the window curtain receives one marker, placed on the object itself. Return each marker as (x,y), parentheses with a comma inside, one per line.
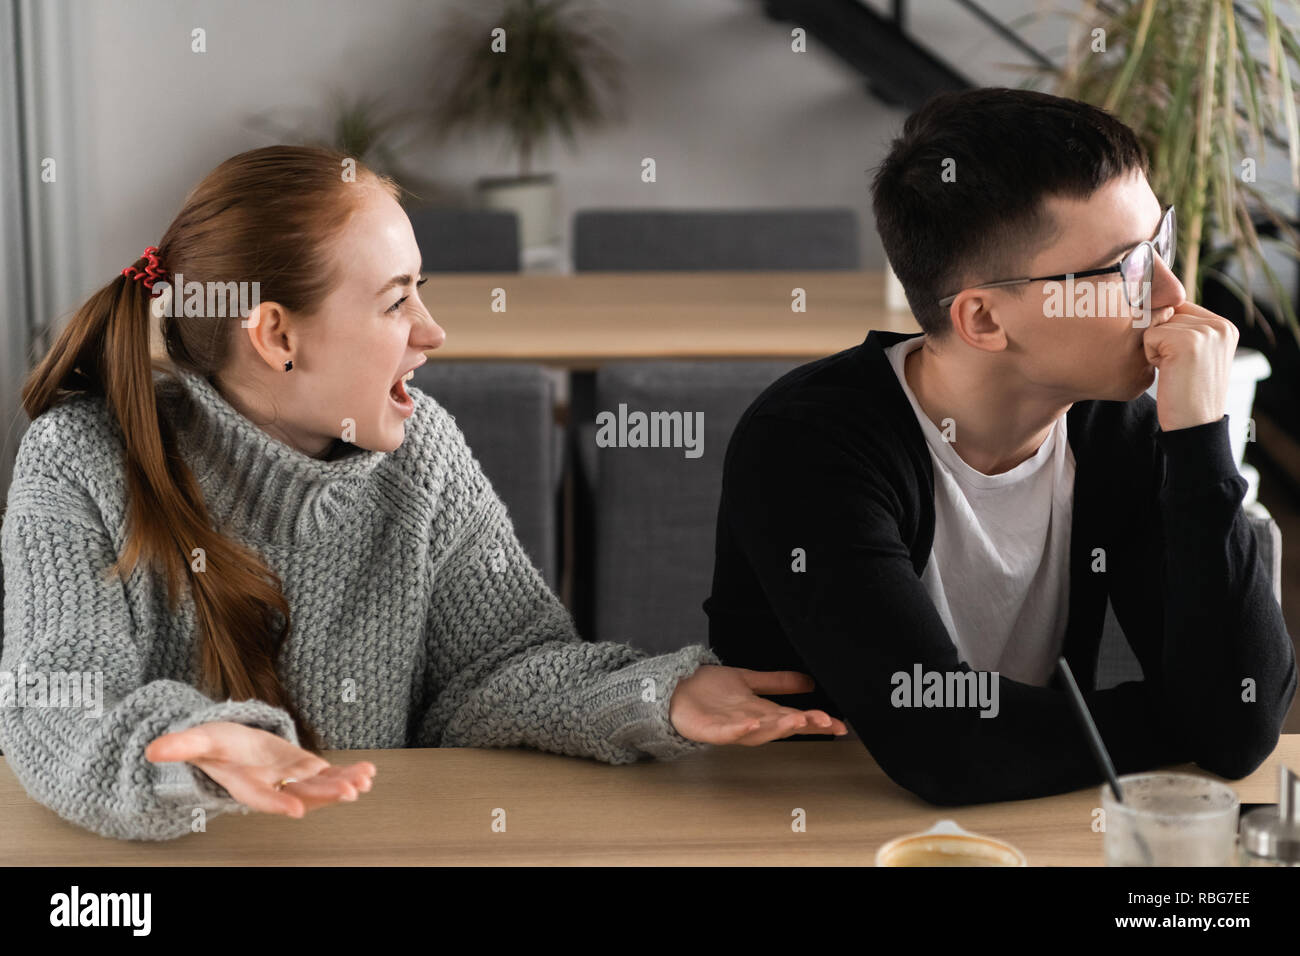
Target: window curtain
(40,253)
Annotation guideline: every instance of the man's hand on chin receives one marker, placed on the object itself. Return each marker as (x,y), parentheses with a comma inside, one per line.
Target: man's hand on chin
(1193,350)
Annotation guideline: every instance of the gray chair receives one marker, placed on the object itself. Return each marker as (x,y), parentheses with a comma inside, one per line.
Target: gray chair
(506,412)
(640,239)
(656,510)
(466,240)
(1116,662)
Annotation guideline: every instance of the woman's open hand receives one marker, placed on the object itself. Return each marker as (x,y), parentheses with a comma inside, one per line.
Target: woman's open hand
(720,705)
(249,762)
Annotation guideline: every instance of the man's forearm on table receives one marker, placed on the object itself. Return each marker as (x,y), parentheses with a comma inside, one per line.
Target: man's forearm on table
(1033,748)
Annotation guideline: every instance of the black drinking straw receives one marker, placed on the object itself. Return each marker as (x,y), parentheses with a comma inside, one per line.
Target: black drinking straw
(1099,751)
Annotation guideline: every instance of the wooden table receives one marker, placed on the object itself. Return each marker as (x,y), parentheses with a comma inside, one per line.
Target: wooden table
(726,805)
(580,321)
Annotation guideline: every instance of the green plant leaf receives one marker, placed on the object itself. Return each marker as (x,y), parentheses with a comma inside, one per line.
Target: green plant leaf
(558,72)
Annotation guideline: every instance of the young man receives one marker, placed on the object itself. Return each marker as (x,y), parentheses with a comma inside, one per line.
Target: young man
(924,523)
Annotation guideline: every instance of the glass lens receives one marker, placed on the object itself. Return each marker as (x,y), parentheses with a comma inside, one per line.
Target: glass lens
(1137,274)
(1167,239)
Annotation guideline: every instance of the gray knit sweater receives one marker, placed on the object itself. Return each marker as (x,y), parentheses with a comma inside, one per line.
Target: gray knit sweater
(418,620)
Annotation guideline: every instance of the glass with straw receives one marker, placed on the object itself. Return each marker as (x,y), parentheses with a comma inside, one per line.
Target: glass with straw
(1159,819)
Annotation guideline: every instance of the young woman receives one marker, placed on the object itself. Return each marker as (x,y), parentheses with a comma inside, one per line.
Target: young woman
(275,548)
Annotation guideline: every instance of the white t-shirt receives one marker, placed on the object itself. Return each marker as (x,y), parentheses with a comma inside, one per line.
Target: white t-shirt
(999,570)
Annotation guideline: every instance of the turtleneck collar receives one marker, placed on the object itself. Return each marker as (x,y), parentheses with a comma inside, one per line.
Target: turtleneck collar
(256,483)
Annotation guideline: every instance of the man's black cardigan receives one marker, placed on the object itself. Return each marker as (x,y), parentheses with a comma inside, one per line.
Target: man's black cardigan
(830,459)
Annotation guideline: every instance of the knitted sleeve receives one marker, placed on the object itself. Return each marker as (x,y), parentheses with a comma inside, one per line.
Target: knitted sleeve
(76,707)
(506,668)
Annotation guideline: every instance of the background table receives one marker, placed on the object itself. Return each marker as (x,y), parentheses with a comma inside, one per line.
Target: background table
(579,321)
(726,805)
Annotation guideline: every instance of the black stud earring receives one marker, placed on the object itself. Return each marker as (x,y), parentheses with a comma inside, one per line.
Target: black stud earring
(288,365)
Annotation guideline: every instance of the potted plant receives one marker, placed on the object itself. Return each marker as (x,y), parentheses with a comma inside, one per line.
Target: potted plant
(1204,85)
(369,131)
(530,67)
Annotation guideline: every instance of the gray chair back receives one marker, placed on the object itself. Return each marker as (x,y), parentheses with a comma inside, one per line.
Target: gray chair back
(466,240)
(640,239)
(655,509)
(506,412)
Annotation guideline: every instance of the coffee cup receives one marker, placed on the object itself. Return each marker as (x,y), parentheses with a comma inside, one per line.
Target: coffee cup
(947,844)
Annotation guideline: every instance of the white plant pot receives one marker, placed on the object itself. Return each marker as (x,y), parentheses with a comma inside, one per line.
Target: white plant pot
(1249,367)
(533,200)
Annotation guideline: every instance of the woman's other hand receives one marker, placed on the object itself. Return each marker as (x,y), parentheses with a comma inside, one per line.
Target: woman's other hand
(720,705)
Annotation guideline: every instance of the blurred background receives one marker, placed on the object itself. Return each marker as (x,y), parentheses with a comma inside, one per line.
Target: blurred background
(673,198)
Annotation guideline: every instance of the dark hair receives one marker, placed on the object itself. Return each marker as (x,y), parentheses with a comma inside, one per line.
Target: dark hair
(269,215)
(1010,149)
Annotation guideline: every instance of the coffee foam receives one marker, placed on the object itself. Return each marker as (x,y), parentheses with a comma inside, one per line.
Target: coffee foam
(947,844)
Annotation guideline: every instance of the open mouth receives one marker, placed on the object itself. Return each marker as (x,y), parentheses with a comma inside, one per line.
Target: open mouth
(399,394)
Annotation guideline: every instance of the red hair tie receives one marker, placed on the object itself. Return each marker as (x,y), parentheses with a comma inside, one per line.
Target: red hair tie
(152,272)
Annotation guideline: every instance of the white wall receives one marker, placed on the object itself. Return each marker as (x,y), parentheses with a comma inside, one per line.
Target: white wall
(730,114)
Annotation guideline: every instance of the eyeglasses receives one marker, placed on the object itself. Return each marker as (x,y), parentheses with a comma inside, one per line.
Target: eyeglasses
(1136,268)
